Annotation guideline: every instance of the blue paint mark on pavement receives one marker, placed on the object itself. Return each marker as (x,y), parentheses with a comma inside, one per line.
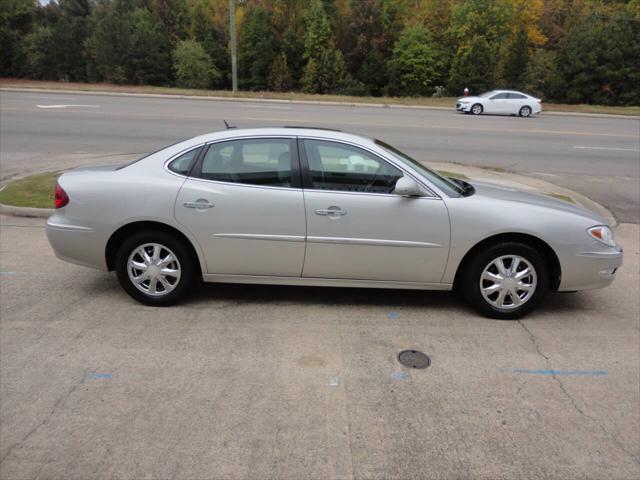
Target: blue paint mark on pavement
(393,315)
(95,376)
(583,373)
(399,375)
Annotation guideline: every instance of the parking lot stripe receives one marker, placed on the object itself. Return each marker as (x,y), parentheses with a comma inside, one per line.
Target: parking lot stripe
(589,373)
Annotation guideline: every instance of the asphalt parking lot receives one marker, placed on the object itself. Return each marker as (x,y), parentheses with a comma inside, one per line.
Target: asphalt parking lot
(283,382)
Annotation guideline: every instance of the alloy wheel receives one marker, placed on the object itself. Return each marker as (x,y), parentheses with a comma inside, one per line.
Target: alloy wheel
(508,282)
(154,269)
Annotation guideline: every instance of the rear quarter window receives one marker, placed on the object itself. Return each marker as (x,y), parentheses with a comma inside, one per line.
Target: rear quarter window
(182,165)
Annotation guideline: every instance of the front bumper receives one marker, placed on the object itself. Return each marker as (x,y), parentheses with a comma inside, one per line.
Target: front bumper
(591,268)
(463,107)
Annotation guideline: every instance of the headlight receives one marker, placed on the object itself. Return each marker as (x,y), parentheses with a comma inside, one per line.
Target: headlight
(463,101)
(603,234)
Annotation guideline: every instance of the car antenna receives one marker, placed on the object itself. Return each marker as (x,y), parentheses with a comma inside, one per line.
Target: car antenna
(227,125)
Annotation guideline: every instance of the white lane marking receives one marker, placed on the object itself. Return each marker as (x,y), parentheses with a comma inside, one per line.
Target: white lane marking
(68,106)
(582,147)
(545,174)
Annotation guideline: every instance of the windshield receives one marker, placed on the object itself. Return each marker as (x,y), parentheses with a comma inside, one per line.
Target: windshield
(487,94)
(443,183)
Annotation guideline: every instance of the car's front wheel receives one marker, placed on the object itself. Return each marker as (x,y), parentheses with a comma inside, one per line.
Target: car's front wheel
(155,268)
(506,281)
(476,109)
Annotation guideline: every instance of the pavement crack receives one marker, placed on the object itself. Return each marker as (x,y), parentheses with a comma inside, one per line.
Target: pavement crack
(576,407)
(55,407)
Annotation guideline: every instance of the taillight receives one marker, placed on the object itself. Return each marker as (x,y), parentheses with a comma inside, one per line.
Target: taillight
(60,197)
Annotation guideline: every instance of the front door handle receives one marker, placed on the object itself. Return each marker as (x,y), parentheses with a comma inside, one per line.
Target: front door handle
(331,211)
(198,205)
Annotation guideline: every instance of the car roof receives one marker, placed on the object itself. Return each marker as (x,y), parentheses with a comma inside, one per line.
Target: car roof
(287,131)
(509,91)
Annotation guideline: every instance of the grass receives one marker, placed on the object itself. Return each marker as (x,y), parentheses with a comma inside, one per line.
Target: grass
(33,191)
(446,102)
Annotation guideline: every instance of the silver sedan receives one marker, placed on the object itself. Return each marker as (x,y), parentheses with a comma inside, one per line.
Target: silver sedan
(294,206)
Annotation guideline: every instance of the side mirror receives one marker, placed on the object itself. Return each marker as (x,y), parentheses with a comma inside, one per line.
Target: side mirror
(407,187)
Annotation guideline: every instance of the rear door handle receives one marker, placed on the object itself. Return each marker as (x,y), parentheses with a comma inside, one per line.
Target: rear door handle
(198,205)
(331,211)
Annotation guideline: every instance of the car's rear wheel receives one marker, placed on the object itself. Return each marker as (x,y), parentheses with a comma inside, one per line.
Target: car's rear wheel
(476,109)
(525,111)
(506,281)
(155,268)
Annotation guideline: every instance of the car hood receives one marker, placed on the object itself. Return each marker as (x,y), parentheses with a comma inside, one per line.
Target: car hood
(469,99)
(510,194)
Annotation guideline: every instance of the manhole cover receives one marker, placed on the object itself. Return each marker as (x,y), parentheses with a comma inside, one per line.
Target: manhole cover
(414,359)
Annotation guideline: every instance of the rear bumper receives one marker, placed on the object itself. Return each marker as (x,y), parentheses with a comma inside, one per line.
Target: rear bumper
(75,243)
(591,268)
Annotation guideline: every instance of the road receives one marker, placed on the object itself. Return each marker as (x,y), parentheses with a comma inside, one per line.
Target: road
(598,157)
(244,381)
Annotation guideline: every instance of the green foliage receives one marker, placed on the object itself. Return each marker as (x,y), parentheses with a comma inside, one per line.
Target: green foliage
(193,65)
(367,42)
(257,49)
(599,61)
(416,65)
(16,17)
(325,69)
(567,50)
(127,46)
(472,68)
(514,70)
(541,72)
(280,78)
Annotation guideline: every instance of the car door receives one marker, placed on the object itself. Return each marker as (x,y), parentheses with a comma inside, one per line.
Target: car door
(243,202)
(498,103)
(358,229)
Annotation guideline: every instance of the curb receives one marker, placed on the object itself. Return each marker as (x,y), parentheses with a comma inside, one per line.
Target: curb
(287,101)
(25,211)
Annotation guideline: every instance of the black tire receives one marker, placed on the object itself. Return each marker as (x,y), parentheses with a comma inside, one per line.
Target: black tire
(525,111)
(476,111)
(470,282)
(185,261)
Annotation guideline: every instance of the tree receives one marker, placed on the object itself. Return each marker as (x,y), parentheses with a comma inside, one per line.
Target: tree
(417,64)
(127,46)
(514,70)
(598,62)
(193,65)
(36,52)
(257,49)
(16,17)
(280,78)
(325,69)
(472,68)
(541,72)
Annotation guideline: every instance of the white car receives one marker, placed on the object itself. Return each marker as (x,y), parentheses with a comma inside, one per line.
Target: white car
(501,102)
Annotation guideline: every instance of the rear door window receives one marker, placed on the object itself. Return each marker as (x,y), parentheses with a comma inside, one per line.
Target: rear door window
(267,162)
